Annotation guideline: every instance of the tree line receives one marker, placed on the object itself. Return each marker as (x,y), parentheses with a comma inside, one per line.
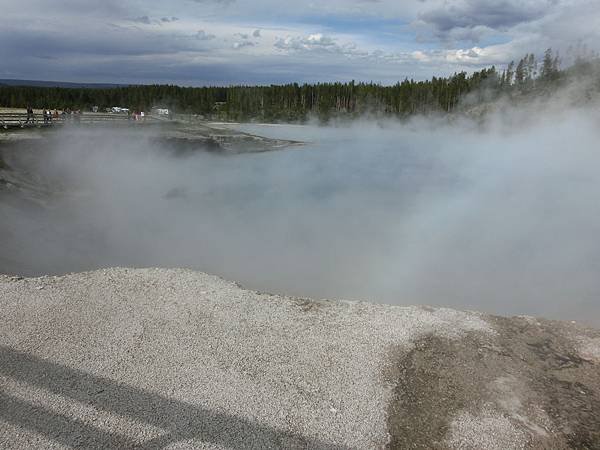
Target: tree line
(295,102)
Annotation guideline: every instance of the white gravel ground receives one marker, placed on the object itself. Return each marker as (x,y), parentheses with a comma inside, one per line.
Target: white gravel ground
(188,349)
(156,358)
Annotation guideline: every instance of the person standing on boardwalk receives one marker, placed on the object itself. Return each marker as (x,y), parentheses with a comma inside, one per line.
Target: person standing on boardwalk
(30,118)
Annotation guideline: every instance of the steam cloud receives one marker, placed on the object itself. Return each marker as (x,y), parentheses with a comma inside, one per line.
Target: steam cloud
(502,217)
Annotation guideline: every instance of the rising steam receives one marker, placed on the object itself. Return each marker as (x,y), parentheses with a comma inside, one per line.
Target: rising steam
(502,216)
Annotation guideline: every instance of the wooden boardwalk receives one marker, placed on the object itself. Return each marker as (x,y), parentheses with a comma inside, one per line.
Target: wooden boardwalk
(13,120)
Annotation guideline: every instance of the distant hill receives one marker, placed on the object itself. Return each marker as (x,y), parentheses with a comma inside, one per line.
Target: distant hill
(63,84)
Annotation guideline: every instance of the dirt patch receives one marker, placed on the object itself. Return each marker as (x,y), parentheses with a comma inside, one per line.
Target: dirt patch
(429,393)
(528,386)
(567,385)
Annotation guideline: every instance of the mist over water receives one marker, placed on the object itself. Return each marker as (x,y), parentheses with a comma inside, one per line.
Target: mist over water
(503,218)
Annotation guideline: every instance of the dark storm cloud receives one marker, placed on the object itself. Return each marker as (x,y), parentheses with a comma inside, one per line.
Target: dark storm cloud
(83,8)
(189,69)
(19,44)
(467,20)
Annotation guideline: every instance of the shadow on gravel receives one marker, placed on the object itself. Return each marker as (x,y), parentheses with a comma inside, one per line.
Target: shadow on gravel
(179,420)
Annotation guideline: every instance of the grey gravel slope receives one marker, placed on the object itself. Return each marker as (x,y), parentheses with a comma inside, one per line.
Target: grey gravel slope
(159,358)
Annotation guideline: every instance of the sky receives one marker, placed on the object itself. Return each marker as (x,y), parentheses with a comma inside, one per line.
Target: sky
(224,42)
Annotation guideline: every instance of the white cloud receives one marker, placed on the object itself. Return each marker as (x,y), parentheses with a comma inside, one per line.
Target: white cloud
(420,56)
(241,44)
(318,43)
(202,35)
(310,42)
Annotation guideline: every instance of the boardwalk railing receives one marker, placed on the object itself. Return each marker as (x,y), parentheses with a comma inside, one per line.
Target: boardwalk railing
(22,120)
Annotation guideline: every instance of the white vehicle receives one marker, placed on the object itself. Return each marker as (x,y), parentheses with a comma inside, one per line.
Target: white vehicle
(119,110)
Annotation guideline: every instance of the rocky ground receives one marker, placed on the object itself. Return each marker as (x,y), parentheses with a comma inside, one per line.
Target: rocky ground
(177,137)
(185,135)
(159,358)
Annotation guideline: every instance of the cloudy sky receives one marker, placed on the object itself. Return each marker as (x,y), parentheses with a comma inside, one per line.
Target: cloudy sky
(221,42)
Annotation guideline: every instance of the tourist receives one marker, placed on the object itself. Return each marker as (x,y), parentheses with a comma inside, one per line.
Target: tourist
(30,118)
